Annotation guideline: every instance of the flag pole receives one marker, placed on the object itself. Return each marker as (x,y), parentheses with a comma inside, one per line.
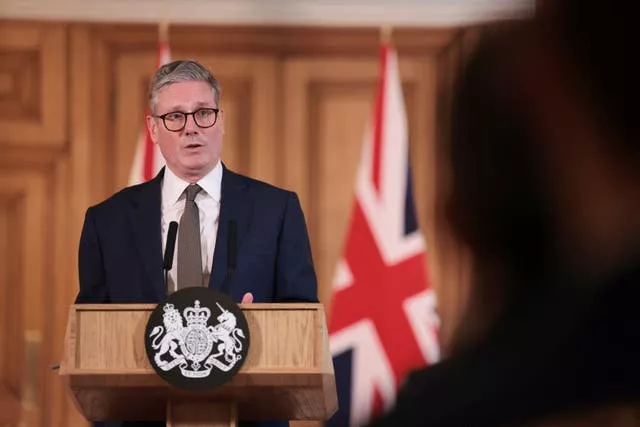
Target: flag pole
(385,34)
(163,31)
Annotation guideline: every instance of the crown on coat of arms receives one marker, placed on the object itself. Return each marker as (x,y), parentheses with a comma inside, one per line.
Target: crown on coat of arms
(196,315)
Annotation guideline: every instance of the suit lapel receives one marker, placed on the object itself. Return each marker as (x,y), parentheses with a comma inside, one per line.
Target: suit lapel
(235,204)
(146,225)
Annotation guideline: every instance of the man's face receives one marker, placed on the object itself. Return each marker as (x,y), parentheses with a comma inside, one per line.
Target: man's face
(193,151)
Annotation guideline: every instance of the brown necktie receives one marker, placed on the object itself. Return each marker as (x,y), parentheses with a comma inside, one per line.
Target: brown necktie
(189,246)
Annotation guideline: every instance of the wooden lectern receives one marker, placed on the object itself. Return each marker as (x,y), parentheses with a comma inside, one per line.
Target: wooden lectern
(287,375)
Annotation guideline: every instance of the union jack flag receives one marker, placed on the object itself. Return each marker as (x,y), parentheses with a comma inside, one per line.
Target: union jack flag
(148,159)
(383,321)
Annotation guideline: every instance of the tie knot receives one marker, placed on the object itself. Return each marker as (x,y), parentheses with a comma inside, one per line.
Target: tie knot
(192,190)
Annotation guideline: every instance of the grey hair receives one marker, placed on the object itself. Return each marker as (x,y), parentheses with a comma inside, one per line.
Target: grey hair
(181,71)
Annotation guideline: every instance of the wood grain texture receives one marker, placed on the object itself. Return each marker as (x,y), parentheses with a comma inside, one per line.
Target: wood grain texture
(10,407)
(34,197)
(286,375)
(5,311)
(34,84)
(198,414)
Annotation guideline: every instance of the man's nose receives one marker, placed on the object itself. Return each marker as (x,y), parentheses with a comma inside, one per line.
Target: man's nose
(190,126)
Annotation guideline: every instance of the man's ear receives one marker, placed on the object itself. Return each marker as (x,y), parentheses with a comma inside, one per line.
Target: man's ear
(152,127)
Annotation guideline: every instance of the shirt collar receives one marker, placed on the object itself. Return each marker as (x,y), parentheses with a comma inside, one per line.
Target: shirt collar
(173,187)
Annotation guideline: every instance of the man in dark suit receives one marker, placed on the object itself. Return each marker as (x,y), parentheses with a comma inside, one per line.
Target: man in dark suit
(123,238)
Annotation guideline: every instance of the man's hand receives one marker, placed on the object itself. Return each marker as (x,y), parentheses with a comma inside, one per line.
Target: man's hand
(247,298)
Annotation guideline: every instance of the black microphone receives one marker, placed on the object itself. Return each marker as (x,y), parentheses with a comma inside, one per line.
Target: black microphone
(168,251)
(232,238)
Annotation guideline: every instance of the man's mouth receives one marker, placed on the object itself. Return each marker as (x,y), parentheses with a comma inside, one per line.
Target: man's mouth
(193,145)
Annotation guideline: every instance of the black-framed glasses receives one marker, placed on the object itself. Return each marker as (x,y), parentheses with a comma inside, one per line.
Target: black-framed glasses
(175,121)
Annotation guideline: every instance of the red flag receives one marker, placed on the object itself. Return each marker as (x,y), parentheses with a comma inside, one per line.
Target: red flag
(383,320)
(148,159)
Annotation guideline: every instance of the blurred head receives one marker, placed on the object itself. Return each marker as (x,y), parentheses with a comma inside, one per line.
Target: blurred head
(544,148)
(185,120)
(544,151)
(497,205)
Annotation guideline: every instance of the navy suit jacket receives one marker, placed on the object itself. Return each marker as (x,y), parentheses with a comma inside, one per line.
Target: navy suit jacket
(120,256)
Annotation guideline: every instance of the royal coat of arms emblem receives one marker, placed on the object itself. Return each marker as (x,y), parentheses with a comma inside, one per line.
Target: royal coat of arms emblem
(204,340)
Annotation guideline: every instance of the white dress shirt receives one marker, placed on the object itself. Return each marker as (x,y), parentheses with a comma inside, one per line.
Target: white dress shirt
(208,202)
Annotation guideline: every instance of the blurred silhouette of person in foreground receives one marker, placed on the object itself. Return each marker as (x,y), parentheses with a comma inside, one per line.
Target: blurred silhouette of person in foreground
(545,154)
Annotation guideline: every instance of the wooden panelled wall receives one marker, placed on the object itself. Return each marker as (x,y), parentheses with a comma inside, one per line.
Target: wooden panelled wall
(72,98)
